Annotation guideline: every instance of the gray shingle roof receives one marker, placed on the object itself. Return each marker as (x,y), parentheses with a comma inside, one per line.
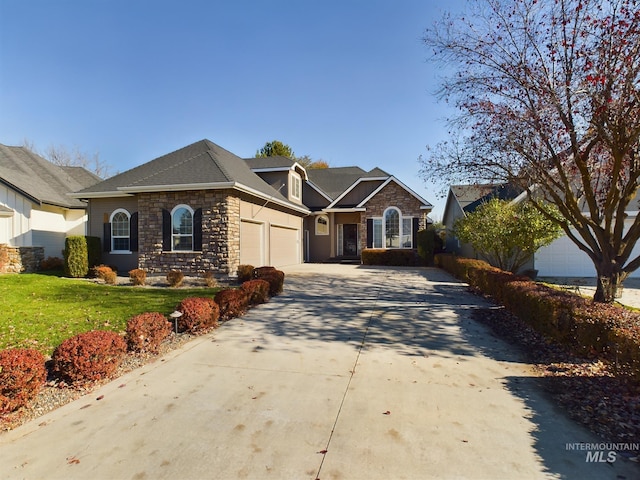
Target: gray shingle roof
(41,180)
(202,164)
(470,196)
(334,181)
(270,162)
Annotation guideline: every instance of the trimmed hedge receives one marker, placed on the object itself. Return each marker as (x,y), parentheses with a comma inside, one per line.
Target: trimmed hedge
(233,302)
(76,259)
(257,291)
(586,327)
(273,276)
(89,356)
(397,257)
(22,375)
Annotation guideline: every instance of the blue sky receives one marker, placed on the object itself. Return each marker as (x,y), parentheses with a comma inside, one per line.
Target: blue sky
(344,81)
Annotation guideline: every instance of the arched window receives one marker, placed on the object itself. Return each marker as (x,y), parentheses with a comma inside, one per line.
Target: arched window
(392,227)
(120,231)
(182,228)
(322,225)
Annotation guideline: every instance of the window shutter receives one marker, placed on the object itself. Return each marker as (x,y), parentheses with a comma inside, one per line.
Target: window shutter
(369,232)
(133,232)
(106,237)
(416,227)
(166,230)
(197,230)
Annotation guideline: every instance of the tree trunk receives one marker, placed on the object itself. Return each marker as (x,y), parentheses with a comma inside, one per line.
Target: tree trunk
(609,282)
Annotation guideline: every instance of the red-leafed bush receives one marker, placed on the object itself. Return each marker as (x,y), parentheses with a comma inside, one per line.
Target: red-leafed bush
(257,291)
(273,276)
(52,263)
(245,272)
(137,276)
(399,257)
(199,314)
(232,302)
(89,356)
(22,374)
(145,332)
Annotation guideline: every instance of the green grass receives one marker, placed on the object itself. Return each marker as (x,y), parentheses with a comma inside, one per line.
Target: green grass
(40,311)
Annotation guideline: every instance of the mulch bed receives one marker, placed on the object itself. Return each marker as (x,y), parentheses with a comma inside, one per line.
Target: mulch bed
(590,390)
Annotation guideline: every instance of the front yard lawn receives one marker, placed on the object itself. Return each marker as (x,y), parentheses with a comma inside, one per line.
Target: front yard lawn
(40,311)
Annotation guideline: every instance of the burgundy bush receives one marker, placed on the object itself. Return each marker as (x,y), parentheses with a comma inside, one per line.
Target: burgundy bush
(22,374)
(245,272)
(145,332)
(232,302)
(89,356)
(199,314)
(273,276)
(257,291)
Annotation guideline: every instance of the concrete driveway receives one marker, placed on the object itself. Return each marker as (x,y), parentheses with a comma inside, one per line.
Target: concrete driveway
(353,373)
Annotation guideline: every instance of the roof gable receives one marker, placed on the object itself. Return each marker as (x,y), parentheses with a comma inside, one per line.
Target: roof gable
(425,205)
(40,180)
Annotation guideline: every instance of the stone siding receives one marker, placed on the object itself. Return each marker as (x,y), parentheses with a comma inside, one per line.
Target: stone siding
(220,232)
(393,195)
(20,259)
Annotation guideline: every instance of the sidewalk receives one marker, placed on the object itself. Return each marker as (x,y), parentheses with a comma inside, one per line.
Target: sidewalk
(352,373)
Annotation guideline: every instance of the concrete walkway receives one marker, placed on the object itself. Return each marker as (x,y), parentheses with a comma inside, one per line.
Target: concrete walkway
(352,373)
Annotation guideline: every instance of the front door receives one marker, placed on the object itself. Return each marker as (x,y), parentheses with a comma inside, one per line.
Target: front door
(350,240)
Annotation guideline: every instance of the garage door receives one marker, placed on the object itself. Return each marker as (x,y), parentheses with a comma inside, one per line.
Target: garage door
(563,259)
(285,246)
(252,244)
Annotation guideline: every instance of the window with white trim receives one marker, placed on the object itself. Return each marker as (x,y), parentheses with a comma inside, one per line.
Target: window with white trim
(322,225)
(120,231)
(182,228)
(295,186)
(392,230)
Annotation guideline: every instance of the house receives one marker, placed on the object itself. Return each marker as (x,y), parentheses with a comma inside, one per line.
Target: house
(561,258)
(464,199)
(35,208)
(202,208)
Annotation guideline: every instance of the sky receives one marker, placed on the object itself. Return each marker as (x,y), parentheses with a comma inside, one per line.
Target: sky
(345,81)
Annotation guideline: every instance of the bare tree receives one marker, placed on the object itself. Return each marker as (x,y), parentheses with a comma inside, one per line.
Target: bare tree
(548,98)
(64,157)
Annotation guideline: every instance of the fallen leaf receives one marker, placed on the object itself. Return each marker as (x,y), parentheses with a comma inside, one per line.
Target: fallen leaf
(72,460)
(387,413)
(122,385)
(100,397)
(323,451)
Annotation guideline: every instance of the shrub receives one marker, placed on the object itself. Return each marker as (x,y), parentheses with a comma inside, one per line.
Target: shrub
(210,280)
(89,356)
(273,276)
(145,332)
(175,278)
(257,291)
(232,302)
(4,257)
(137,276)
(22,374)
(245,272)
(52,263)
(94,251)
(76,260)
(199,314)
(397,257)
(105,273)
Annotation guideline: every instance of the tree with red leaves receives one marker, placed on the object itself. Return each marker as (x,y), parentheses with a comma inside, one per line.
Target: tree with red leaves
(548,95)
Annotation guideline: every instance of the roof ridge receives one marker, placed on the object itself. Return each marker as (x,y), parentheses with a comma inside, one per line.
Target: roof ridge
(170,167)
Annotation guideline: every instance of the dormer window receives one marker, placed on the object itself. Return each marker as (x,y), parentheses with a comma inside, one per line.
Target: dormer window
(295,186)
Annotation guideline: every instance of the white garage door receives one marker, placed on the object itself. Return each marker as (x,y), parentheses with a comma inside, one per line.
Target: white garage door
(252,244)
(563,259)
(285,246)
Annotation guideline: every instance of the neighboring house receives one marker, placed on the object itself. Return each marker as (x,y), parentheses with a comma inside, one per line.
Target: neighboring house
(202,208)
(562,258)
(464,199)
(35,207)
